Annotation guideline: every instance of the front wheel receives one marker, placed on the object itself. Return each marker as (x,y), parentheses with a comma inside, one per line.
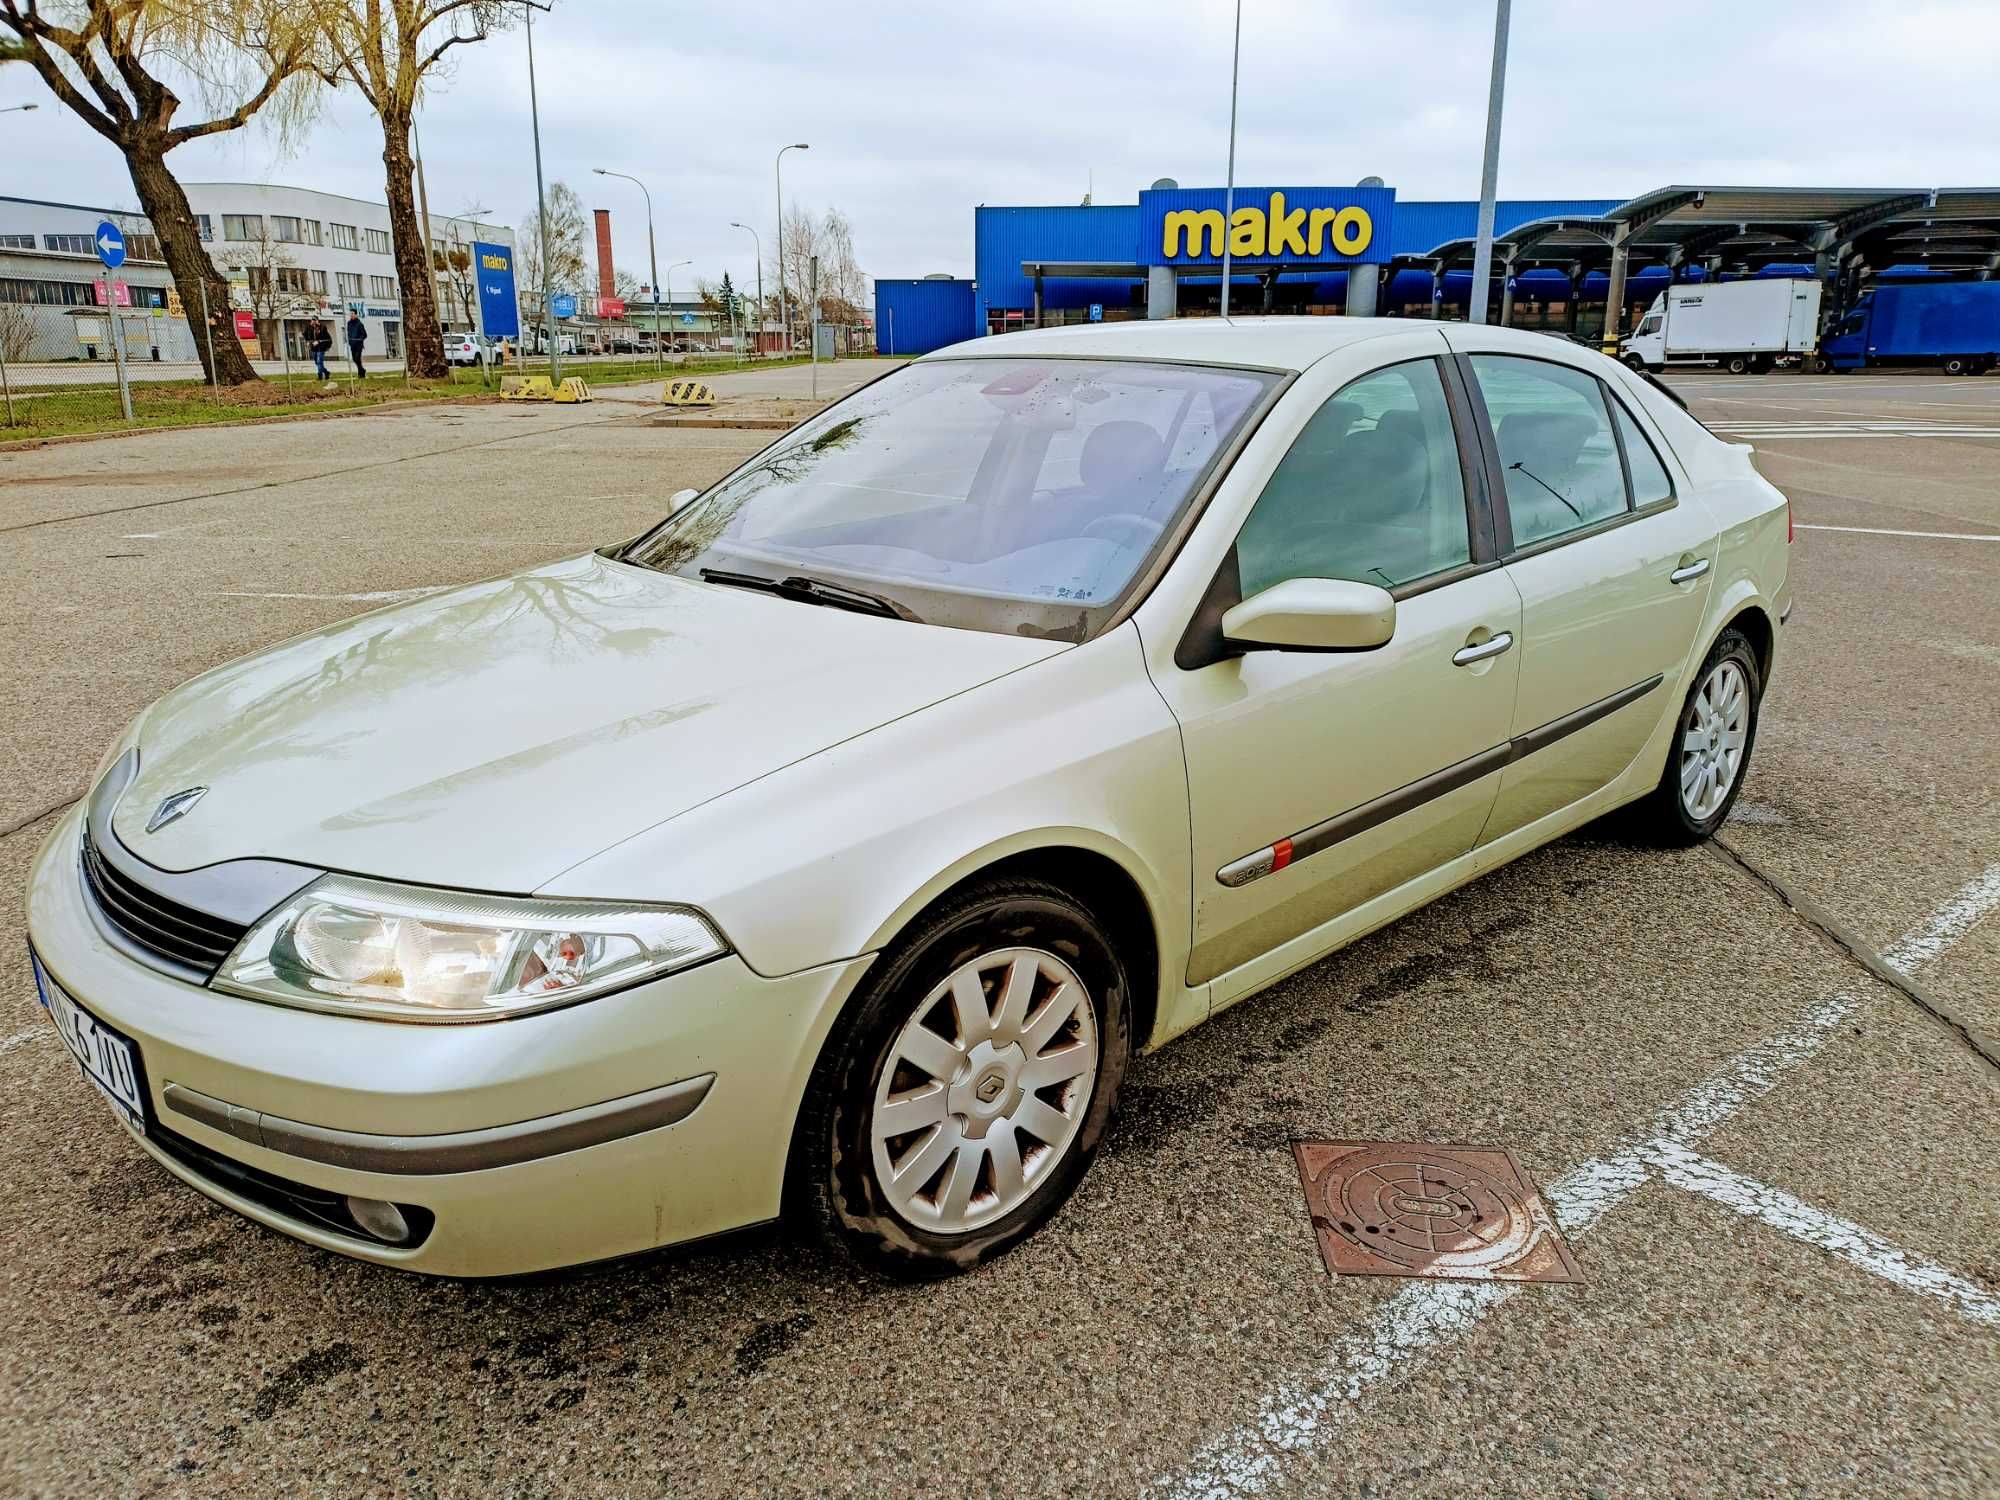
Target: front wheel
(1958,364)
(1710,750)
(960,1101)
(1634,362)
(1737,364)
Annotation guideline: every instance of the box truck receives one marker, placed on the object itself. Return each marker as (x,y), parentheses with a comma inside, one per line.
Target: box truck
(1740,325)
(1952,325)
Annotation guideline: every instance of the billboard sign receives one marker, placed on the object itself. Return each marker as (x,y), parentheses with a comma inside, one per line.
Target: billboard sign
(246,327)
(563,305)
(1266,226)
(499,307)
(611,307)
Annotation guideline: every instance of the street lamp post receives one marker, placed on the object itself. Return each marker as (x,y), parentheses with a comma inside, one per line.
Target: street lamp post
(1229,191)
(670,282)
(759,241)
(784,310)
(652,258)
(1489,170)
(528,9)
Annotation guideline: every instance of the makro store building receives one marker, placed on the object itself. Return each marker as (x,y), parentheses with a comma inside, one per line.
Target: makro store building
(1297,250)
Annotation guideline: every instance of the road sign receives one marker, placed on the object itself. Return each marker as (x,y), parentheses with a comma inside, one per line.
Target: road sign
(110,244)
(563,305)
(687,320)
(1097,312)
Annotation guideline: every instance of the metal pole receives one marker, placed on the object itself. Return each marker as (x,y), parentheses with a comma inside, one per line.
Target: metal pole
(208,330)
(652,255)
(758,240)
(784,308)
(430,261)
(1489,171)
(118,346)
(1229,191)
(813,333)
(6,390)
(541,205)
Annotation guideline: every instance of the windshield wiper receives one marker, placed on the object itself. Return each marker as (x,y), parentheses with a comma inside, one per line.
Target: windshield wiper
(809,590)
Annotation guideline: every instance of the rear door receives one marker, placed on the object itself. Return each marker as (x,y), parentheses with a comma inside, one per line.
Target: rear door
(1612,557)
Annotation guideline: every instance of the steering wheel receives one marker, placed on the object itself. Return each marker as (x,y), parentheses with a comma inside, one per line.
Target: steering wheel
(1141,529)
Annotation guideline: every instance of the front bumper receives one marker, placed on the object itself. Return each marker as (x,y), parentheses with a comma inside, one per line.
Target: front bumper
(414,1114)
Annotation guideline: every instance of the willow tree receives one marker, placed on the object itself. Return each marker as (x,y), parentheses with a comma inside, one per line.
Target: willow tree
(118,64)
(388,49)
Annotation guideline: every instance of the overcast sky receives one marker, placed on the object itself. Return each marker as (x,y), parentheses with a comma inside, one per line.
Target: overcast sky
(917,112)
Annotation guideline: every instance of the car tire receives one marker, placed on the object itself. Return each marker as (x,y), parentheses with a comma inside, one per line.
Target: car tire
(978,1173)
(1736,364)
(1709,754)
(1634,362)
(1957,365)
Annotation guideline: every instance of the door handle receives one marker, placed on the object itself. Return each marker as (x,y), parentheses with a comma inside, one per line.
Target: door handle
(1690,572)
(1486,650)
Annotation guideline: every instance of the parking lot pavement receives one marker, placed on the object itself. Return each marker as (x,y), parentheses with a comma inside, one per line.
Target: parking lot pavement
(1775,1170)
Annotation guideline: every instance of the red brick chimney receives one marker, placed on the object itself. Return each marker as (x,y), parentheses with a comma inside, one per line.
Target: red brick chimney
(607,282)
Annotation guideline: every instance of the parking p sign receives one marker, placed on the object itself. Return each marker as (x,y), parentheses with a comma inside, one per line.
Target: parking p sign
(1097,312)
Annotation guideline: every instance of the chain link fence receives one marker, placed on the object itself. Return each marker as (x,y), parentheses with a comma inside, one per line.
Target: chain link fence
(59,366)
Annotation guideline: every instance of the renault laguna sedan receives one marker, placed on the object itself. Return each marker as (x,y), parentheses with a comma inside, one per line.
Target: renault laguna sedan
(829,850)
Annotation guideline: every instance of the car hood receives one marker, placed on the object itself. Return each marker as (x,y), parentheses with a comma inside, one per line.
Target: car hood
(493,736)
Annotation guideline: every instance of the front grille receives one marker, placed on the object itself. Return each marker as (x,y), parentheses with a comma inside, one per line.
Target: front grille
(183,937)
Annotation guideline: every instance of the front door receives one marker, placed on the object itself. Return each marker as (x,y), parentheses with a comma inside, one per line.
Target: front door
(1320,780)
(1613,566)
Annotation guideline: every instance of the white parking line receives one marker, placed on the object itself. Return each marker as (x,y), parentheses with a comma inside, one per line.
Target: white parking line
(1426,1317)
(383,596)
(1842,1237)
(1939,536)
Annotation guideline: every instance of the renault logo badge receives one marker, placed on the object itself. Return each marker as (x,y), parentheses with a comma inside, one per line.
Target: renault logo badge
(176,806)
(989,1087)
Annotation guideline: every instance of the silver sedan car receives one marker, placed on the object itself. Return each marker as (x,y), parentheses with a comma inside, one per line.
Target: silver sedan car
(829,850)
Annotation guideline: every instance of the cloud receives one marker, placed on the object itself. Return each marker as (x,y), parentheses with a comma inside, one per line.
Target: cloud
(916,113)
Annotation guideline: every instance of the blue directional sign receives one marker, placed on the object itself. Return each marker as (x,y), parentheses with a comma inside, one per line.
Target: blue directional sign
(1097,312)
(563,305)
(110,244)
(687,320)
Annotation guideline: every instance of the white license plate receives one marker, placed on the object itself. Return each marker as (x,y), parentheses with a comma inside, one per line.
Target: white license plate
(107,1059)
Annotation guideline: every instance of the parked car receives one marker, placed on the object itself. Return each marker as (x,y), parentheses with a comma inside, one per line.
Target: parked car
(464,348)
(1010,717)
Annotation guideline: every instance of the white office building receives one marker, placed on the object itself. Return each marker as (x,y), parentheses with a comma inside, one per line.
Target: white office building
(294,254)
(289,254)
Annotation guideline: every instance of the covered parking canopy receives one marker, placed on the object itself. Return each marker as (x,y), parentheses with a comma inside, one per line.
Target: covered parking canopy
(1844,232)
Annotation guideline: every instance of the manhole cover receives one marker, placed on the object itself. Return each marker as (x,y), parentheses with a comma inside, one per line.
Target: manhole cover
(1460,1213)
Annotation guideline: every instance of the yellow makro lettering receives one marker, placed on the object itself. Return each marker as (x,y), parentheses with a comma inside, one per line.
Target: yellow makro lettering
(1246,232)
(1186,227)
(1278,230)
(493,262)
(1286,228)
(1352,230)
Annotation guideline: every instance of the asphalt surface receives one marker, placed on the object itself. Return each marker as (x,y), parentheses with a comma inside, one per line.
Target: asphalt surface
(1777,1172)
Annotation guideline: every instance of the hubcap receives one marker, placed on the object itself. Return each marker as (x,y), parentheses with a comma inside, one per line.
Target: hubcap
(984,1089)
(1712,744)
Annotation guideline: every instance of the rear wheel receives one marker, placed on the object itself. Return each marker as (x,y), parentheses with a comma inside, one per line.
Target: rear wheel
(960,1101)
(1958,364)
(1711,748)
(1736,364)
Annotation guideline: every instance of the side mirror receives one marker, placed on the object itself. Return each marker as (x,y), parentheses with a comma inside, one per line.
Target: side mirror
(679,498)
(1313,614)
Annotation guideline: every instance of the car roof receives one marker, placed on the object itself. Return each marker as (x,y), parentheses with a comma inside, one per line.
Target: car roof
(1280,343)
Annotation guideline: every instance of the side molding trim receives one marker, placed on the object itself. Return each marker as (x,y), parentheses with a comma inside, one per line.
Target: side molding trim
(1274,857)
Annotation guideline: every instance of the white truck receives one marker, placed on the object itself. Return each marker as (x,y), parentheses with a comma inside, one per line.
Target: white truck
(1740,325)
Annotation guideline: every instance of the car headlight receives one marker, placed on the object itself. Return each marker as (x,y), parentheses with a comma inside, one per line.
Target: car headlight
(415,953)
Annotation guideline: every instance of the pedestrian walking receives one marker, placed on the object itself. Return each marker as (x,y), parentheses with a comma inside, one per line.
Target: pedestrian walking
(319,338)
(357,335)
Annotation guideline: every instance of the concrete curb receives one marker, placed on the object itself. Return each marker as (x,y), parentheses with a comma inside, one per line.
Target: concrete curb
(27,445)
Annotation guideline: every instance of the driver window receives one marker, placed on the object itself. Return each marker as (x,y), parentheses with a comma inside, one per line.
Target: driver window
(1371,491)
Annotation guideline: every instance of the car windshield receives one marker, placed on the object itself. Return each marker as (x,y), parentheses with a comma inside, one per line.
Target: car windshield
(1016,495)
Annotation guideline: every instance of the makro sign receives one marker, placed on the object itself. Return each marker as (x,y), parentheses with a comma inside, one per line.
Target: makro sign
(499,308)
(1267,226)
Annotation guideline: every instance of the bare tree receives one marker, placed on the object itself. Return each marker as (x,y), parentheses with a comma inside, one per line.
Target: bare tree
(567,267)
(272,279)
(17,332)
(388,49)
(843,288)
(110,63)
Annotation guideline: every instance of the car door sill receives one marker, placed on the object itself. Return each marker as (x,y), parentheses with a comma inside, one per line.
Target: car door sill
(1357,820)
